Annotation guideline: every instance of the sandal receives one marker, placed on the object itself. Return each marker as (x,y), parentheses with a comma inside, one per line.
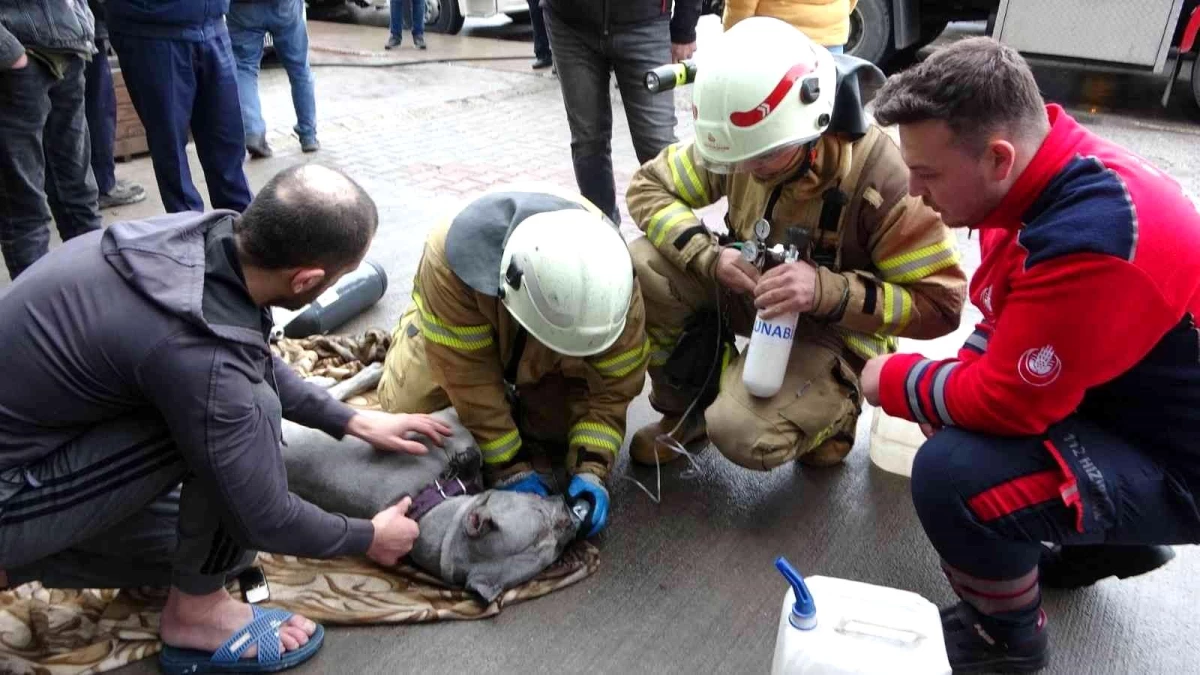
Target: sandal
(262,631)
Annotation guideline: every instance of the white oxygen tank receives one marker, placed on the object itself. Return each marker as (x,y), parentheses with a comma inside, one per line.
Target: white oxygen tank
(770,348)
(831,626)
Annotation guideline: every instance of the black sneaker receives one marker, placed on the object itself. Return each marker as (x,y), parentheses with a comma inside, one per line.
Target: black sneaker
(258,148)
(1080,566)
(393,42)
(540,63)
(973,649)
(419,41)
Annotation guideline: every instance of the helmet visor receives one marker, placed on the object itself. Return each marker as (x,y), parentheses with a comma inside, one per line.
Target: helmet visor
(775,160)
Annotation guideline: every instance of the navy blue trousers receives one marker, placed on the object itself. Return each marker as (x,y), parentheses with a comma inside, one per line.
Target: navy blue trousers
(987,502)
(177,85)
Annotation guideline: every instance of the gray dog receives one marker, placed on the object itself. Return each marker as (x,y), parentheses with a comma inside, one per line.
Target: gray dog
(487,542)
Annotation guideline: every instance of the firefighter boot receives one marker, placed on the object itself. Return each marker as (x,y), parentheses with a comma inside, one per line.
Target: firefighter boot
(1079,566)
(976,643)
(644,448)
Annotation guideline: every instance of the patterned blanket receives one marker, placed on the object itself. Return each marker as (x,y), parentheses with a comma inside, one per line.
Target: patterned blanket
(67,632)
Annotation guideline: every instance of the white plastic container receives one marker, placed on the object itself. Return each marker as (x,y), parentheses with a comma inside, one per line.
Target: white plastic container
(842,627)
(768,353)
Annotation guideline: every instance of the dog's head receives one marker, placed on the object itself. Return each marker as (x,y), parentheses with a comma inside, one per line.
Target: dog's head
(505,539)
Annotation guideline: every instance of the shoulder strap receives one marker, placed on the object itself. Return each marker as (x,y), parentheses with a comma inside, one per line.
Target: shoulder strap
(514,359)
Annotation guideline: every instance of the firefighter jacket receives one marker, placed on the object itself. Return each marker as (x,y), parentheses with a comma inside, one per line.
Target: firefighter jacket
(887,266)
(471,340)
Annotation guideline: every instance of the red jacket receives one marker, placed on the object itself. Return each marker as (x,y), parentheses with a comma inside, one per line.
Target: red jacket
(1089,282)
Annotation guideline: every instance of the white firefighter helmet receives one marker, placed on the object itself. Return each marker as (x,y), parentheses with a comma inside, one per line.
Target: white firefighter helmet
(567,277)
(762,87)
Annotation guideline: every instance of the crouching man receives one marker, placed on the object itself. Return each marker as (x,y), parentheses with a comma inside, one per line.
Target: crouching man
(137,358)
(1070,415)
(780,131)
(526,317)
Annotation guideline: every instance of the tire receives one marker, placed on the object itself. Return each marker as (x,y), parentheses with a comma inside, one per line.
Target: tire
(871,31)
(442,16)
(1196,80)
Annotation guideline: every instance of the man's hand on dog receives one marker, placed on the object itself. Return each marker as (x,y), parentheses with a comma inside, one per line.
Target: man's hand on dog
(387,431)
(395,533)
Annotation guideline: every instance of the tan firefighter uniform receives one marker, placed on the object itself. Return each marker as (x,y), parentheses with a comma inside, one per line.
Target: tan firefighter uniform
(887,267)
(455,343)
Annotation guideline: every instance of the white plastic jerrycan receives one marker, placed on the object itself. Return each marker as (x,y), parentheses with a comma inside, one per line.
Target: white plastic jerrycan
(833,626)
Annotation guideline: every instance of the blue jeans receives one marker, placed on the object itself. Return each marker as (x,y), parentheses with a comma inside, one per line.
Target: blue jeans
(176,85)
(45,173)
(418,16)
(284,20)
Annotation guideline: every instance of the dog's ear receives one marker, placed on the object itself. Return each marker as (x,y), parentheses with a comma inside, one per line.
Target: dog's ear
(489,586)
(479,522)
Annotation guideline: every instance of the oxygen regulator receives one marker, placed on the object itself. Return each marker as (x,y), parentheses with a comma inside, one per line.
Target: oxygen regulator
(756,252)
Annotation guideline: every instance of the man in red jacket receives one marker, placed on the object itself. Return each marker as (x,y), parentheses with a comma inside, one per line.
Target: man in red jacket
(1072,414)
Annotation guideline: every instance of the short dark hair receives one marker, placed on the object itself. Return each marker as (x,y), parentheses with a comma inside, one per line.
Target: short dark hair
(977,86)
(307,216)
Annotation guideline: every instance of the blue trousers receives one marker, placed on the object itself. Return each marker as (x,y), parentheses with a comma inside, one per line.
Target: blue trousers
(177,85)
(986,502)
(284,20)
(101,108)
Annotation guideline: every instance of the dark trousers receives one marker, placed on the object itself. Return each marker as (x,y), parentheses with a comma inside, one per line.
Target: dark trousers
(177,85)
(106,511)
(541,39)
(585,58)
(986,502)
(102,118)
(45,170)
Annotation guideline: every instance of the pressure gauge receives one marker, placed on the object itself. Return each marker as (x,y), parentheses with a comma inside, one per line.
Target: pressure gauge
(762,229)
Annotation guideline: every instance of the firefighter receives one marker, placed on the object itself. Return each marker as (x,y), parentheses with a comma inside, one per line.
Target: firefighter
(882,264)
(526,318)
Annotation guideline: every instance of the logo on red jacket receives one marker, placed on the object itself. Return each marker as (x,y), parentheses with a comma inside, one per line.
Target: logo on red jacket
(1039,366)
(985,298)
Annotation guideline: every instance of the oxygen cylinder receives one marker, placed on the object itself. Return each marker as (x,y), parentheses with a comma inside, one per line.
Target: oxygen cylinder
(349,297)
(768,354)
(770,347)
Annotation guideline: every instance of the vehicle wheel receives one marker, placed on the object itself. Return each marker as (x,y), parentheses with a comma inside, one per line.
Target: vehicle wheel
(329,10)
(442,16)
(871,31)
(1196,80)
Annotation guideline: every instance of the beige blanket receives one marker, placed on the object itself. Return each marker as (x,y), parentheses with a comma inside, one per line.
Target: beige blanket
(62,632)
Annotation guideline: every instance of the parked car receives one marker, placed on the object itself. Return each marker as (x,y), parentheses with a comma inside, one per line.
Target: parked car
(447,16)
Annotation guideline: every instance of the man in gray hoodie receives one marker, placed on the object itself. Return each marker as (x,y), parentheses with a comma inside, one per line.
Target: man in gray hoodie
(137,359)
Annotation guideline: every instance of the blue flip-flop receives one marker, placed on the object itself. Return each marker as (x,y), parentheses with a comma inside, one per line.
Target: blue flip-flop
(262,631)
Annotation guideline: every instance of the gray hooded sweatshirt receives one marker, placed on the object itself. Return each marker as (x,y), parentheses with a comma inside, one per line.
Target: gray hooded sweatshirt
(155,315)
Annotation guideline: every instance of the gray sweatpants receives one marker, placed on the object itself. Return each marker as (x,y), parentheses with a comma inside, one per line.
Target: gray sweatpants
(585,59)
(108,511)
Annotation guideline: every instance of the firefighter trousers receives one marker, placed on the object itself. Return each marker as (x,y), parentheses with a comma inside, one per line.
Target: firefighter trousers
(814,415)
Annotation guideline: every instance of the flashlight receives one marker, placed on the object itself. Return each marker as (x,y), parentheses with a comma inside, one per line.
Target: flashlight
(666,78)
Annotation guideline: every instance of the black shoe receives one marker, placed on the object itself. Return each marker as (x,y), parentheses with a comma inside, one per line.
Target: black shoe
(973,649)
(393,42)
(419,41)
(310,144)
(541,64)
(1080,566)
(258,148)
